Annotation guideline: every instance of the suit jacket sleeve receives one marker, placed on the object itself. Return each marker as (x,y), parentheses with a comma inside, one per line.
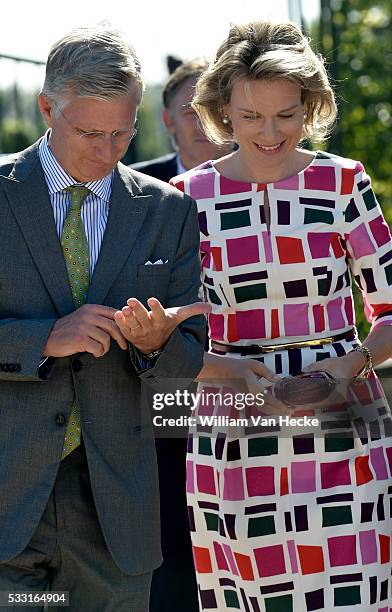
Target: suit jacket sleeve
(21,347)
(22,340)
(182,356)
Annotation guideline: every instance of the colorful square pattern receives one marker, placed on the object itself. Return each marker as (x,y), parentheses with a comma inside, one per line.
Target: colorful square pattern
(300,524)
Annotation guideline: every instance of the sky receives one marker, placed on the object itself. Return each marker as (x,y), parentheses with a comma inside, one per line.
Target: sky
(155,28)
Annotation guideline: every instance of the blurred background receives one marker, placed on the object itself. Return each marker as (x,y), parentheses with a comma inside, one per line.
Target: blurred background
(355,37)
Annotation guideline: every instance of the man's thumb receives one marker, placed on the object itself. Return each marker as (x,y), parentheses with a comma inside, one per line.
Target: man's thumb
(190,310)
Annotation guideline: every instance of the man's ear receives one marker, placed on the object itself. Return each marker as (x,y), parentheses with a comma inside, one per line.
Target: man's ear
(168,122)
(46,107)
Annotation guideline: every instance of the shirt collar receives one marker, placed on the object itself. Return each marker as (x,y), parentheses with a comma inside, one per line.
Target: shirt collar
(58,179)
(180,166)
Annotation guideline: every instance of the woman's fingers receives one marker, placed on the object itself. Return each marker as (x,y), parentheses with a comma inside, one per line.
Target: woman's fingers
(271,405)
(262,371)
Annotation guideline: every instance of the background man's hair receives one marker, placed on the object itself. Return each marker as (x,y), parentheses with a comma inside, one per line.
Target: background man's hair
(192,69)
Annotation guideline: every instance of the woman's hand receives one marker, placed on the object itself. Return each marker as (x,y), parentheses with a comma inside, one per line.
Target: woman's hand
(245,376)
(216,367)
(344,368)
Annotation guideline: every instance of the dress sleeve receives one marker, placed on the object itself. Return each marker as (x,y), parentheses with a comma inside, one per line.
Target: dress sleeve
(369,248)
(180,184)
(177,182)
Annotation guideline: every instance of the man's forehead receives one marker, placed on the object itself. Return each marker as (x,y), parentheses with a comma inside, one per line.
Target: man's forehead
(88,105)
(185,93)
(133,98)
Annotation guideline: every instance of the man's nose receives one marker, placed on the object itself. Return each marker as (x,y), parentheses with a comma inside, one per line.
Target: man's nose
(106,150)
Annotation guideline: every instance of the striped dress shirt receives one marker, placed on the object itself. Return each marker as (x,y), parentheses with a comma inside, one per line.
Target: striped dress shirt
(95,211)
(95,208)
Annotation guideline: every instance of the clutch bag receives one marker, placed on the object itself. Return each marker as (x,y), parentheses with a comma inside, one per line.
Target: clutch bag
(304,389)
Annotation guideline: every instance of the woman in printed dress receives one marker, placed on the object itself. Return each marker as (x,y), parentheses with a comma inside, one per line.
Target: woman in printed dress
(302,522)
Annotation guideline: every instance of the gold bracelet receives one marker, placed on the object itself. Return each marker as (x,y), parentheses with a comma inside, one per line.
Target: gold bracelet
(368,367)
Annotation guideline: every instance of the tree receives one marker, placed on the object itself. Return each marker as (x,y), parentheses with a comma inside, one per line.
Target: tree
(16,135)
(151,140)
(355,38)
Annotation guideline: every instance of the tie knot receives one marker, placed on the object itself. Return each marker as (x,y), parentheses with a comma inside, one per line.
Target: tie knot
(77,194)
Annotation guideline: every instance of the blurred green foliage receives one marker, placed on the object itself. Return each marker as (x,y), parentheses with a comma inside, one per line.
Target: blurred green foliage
(20,120)
(151,140)
(355,38)
(16,135)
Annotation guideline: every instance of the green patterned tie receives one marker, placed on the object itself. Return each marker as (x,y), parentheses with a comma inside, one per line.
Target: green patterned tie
(75,248)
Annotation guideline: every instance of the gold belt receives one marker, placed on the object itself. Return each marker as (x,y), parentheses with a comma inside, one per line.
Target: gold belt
(254,349)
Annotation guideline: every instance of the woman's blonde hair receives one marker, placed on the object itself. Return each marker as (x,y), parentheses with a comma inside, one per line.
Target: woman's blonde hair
(269,51)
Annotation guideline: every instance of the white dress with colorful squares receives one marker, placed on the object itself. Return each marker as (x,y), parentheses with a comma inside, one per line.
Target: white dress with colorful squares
(302,522)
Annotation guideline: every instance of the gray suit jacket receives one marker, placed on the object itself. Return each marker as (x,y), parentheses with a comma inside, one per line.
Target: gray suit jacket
(147,221)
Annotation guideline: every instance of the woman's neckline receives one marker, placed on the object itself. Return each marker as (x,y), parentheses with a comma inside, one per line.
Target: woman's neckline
(281,180)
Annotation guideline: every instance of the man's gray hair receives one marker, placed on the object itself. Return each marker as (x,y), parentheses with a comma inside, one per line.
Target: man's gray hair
(95,62)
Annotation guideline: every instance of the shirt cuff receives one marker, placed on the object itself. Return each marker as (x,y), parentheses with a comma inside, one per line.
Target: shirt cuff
(45,367)
(141,362)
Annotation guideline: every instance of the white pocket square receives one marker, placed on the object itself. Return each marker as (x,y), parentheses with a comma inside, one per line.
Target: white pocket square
(155,263)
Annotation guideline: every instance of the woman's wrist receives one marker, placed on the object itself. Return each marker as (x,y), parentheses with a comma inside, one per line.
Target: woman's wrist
(217,366)
(356,362)
(368,356)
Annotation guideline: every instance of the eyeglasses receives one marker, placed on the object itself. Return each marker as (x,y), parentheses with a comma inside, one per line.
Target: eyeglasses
(120,138)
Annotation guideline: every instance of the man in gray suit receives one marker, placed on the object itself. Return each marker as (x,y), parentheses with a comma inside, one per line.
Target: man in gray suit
(98,297)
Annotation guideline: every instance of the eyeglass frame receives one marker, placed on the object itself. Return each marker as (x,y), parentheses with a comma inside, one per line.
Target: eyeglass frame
(96,135)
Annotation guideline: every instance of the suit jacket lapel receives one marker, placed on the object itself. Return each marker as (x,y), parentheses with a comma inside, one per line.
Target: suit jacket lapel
(28,196)
(127,212)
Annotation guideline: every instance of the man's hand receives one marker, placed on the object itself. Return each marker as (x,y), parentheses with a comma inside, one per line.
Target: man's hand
(88,329)
(150,330)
